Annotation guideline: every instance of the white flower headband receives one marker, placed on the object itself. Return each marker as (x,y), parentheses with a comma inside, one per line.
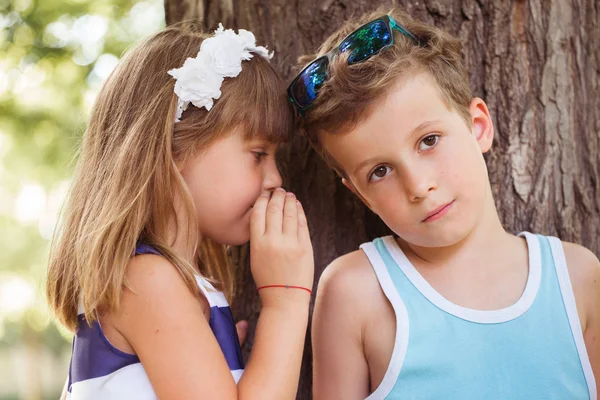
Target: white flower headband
(199,80)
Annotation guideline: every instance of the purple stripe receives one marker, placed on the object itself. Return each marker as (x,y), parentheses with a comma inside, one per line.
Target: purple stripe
(223,327)
(143,248)
(70,379)
(93,356)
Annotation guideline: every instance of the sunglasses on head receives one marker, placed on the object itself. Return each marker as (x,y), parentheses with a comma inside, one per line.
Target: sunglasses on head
(363,43)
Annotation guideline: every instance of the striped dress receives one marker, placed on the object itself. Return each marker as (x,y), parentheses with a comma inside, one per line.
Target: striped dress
(98,370)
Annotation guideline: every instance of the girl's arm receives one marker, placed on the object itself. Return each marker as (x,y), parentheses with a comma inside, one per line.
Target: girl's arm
(166,326)
(280,253)
(164,322)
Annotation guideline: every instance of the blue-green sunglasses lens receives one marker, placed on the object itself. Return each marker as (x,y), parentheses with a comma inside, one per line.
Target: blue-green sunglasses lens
(366,41)
(305,88)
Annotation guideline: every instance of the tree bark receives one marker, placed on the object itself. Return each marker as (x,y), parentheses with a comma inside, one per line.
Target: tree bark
(535,62)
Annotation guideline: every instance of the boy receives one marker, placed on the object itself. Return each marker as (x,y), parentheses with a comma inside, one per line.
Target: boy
(454,307)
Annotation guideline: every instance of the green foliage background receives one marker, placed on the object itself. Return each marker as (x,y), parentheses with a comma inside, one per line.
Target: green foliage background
(54,56)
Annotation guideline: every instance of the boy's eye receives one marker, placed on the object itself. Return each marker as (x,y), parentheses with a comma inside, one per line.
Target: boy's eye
(428,142)
(379,173)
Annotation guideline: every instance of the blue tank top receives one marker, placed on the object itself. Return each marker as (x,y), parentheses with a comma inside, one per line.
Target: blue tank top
(99,370)
(531,350)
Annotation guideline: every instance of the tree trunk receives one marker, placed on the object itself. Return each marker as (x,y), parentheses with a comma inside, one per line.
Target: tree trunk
(537,65)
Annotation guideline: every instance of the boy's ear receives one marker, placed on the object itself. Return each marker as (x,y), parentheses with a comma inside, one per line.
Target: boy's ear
(350,186)
(481,124)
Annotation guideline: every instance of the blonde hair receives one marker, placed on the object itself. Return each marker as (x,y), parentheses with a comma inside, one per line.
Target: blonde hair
(352,91)
(120,192)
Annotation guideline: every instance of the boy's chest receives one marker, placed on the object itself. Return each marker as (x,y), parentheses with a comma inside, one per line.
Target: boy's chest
(479,287)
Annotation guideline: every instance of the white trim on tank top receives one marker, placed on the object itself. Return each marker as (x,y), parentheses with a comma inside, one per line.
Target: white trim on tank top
(402,323)
(566,290)
(214,297)
(480,316)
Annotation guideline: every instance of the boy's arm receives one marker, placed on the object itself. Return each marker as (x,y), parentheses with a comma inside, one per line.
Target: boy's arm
(584,271)
(340,370)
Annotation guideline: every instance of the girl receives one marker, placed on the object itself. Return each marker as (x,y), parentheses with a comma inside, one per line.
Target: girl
(177,163)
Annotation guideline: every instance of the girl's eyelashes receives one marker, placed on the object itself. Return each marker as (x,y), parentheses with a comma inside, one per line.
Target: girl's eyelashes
(429,141)
(379,172)
(259,155)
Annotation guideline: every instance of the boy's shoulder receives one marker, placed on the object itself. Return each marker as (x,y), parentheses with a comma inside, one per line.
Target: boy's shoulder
(584,272)
(349,282)
(583,265)
(585,260)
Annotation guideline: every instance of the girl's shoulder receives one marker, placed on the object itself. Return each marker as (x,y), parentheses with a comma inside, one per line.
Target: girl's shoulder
(149,273)
(154,284)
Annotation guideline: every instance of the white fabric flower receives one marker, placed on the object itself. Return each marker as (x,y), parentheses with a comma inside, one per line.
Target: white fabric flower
(249,42)
(197,83)
(199,80)
(223,53)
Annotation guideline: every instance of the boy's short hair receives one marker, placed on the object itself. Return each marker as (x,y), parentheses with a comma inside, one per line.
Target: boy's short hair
(352,91)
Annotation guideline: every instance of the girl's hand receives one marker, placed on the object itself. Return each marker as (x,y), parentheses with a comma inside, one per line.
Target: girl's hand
(280,248)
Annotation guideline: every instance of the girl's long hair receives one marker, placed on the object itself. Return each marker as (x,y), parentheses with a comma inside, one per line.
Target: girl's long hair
(126,181)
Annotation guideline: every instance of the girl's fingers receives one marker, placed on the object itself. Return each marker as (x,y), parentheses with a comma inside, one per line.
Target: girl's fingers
(274,218)
(257,219)
(303,235)
(242,330)
(290,215)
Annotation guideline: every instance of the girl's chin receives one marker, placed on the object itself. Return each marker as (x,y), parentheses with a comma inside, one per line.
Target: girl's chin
(237,232)
(230,241)
(238,241)
(242,236)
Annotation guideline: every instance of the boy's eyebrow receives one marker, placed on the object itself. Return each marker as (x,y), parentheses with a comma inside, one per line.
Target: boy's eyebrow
(423,126)
(362,164)
(415,130)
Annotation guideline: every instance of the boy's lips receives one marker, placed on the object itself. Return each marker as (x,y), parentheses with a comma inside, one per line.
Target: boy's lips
(439,212)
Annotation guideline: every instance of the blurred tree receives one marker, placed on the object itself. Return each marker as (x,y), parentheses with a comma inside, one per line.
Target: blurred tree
(54,56)
(537,65)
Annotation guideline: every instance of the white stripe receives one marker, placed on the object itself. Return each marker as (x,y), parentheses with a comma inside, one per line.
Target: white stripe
(566,289)
(130,382)
(214,297)
(480,316)
(237,374)
(402,323)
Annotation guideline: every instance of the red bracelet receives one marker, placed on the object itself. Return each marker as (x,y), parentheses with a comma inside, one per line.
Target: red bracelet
(286,287)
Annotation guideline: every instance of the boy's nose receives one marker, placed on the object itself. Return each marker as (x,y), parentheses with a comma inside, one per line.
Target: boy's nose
(418,184)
